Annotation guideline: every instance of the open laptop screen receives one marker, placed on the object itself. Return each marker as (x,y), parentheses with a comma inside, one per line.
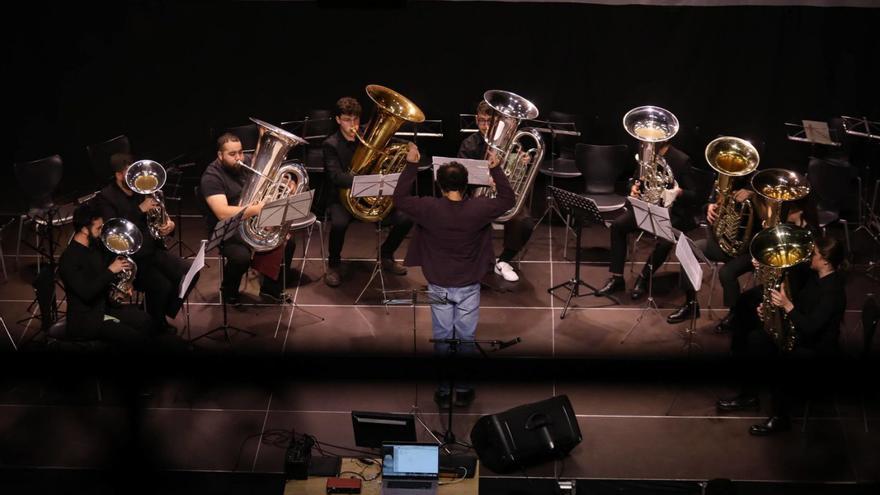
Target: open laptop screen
(410,461)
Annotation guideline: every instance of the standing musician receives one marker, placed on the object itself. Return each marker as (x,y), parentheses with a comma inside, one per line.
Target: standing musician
(87,278)
(221,186)
(681,215)
(338,151)
(159,270)
(518,229)
(453,245)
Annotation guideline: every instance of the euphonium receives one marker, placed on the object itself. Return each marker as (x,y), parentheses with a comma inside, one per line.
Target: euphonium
(374,155)
(652,125)
(776,185)
(122,238)
(732,157)
(505,140)
(148,177)
(777,249)
(269,181)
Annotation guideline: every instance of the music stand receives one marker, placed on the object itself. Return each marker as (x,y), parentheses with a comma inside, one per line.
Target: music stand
(224,229)
(689,255)
(870,220)
(375,186)
(178,170)
(554,129)
(582,210)
(811,131)
(654,220)
(186,283)
(11,340)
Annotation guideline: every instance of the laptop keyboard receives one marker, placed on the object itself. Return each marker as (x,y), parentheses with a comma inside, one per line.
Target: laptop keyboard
(410,485)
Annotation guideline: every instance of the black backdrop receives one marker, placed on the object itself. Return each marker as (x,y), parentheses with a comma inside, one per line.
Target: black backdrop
(166,74)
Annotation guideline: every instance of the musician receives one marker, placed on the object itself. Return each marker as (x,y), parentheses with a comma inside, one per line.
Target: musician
(518,229)
(221,186)
(338,150)
(681,215)
(159,270)
(87,276)
(453,245)
(816,310)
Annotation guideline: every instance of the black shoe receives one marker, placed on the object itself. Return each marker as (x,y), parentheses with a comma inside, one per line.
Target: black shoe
(464,398)
(333,278)
(273,297)
(684,313)
(391,266)
(739,403)
(612,285)
(443,399)
(726,324)
(774,424)
(639,289)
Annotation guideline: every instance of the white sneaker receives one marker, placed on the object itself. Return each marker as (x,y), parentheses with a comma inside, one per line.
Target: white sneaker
(506,271)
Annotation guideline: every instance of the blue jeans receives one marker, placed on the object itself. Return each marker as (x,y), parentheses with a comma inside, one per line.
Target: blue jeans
(456,319)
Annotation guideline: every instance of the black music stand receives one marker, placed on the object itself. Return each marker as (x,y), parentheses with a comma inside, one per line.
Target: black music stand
(49,235)
(554,129)
(11,340)
(582,210)
(870,220)
(178,171)
(187,284)
(689,257)
(224,230)
(375,186)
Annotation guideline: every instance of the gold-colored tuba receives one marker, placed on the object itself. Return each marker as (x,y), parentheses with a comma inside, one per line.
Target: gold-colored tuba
(651,125)
(506,140)
(732,157)
(374,155)
(777,249)
(148,177)
(776,186)
(122,238)
(270,176)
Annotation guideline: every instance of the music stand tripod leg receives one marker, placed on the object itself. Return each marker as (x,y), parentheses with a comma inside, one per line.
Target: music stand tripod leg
(11,340)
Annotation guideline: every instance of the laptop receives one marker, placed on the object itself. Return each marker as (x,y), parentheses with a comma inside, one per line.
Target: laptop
(410,468)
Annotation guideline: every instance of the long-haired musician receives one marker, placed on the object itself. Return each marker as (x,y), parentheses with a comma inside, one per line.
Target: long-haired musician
(518,229)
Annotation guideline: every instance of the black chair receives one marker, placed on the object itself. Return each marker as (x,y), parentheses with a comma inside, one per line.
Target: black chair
(601,167)
(563,146)
(833,182)
(99,155)
(248,134)
(38,181)
(317,126)
(704,182)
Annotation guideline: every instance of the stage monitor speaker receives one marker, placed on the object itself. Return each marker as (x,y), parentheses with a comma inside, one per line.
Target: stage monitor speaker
(526,435)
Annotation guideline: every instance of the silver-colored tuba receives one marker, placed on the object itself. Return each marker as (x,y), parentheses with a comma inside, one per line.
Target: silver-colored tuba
(504,138)
(270,176)
(148,177)
(122,238)
(651,125)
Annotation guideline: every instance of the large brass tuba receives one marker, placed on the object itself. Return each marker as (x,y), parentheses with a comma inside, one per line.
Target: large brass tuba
(776,185)
(505,139)
(732,157)
(148,177)
(122,238)
(269,181)
(777,249)
(374,155)
(651,125)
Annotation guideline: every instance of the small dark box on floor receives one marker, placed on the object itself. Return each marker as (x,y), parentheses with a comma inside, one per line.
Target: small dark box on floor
(297,458)
(343,485)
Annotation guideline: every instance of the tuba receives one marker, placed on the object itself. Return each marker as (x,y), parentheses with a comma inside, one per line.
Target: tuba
(776,249)
(775,186)
(504,138)
(122,238)
(148,177)
(374,155)
(732,157)
(651,125)
(269,182)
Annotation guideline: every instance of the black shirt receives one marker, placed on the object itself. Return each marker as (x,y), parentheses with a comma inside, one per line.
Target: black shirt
(818,311)
(217,179)
(337,161)
(114,203)
(86,281)
(473,147)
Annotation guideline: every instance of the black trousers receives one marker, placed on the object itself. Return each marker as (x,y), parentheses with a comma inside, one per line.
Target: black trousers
(728,275)
(159,276)
(133,328)
(238,259)
(626,223)
(517,232)
(340,218)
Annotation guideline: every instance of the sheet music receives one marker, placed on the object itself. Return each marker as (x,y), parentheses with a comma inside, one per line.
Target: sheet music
(285,210)
(641,210)
(662,223)
(374,185)
(818,132)
(684,251)
(478,170)
(197,264)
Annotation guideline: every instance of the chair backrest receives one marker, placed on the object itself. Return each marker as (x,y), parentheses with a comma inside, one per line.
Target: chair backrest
(564,146)
(39,179)
(100,153)
(601,166)
(319,124)
(248,134)
(831,182)
(704,183)
(870,319)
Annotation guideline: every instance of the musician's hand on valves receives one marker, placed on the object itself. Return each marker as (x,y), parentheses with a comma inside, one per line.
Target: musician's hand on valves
(167,228)
(493,158)
(742,195)
(148,204)
(712,213)
(119,264)
(635,190)
(412,153)
(779,299)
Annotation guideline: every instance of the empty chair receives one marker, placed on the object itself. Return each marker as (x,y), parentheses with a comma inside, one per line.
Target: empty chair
(560,159)
(38,181)
(832,181)
(601,166)
(100,153)
(704,185)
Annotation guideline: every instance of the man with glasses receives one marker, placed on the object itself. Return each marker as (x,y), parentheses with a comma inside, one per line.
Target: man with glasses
(338,151)
(518,229)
